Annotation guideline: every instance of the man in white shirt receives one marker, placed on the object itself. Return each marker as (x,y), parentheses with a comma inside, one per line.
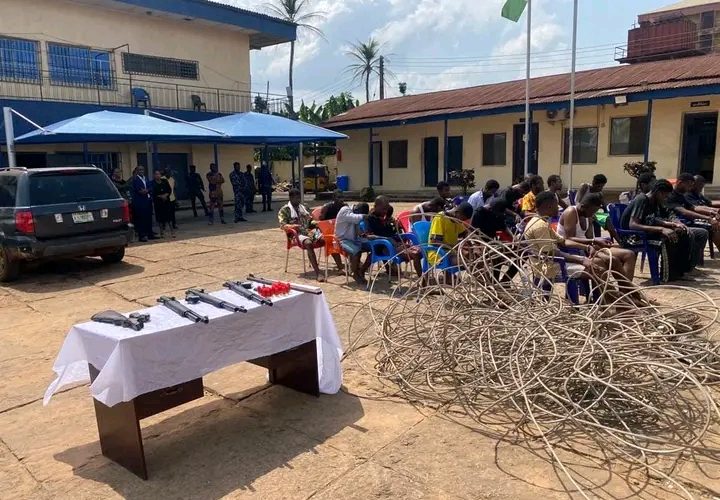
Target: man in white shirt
(347,232)
(482,197)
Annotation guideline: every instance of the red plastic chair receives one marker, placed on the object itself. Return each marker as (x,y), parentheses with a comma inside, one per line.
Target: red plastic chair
(403,218)
(292,240)
(315,214)
(332,246)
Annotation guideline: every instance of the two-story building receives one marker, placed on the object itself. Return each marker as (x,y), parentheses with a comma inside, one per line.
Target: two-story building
(186,58)
(660,105)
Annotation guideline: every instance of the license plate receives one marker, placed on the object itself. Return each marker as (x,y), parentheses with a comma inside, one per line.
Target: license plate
(83,217)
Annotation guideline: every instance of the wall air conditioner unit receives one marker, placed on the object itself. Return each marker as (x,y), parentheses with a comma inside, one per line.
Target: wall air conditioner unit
(554,115)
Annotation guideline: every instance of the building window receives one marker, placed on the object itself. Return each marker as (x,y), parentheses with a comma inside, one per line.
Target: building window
(494,149)
(585,142)
(19,60)
(140,64)
(398,154)
(627,135)
(75,66)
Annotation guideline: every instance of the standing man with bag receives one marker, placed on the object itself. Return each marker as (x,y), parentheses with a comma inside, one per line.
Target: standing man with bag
(215,182)
(237,179)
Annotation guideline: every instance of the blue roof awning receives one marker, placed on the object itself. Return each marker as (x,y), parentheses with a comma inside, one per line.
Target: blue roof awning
(259,128)
(110,126)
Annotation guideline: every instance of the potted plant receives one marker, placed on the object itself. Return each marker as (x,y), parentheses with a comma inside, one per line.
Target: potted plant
(464,178)
(637,168)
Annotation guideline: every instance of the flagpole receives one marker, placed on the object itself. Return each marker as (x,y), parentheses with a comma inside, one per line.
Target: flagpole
(527,91)
(571,135)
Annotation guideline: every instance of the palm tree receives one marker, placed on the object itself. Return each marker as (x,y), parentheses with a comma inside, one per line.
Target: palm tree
(297,12)
(367,55)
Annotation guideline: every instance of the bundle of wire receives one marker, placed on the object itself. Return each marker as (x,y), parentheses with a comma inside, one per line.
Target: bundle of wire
(629,378)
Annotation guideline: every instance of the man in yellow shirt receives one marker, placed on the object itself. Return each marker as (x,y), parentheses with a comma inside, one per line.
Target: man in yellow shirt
(527,204)
(446,229)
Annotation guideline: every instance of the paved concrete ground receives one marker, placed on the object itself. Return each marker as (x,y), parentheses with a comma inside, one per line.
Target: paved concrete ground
(245,439)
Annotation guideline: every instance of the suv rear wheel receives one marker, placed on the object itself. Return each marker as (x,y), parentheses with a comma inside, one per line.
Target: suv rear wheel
(9,267)
(114,257)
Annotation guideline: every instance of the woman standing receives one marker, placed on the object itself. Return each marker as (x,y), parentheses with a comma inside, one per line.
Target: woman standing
(163,205)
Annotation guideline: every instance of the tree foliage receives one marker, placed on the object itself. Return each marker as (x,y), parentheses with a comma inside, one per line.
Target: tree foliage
(317,114)
(297,12)
(367,62)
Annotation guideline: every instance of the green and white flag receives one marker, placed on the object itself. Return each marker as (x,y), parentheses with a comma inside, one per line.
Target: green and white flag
(513,9)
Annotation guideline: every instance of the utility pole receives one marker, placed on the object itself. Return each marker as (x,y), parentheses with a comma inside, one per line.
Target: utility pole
(382,77)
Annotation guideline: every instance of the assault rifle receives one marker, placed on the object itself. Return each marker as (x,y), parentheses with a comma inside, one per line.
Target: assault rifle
(196,295)
(135,321)
(182,310)
(245,290)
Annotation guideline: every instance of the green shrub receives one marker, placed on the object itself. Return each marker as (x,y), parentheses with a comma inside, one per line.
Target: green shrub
(367,194)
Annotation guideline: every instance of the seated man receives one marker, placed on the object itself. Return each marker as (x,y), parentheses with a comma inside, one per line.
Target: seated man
(347,232)
(330,210)
(698,199)
(490,220)
(444,192)
(296,217)
(425,211)
(446,230)
(382,225)
(601,220)
(575,225)
(699,223)
(483,196)
(512,195)
(647,213)
(644,183)
(527,204)
(555,185)
(598,184)
(546,242)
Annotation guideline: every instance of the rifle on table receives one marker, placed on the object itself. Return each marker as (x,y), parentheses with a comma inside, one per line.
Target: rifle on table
(135,321)
(297,288)
(182,310)
(245,290)
(196,295)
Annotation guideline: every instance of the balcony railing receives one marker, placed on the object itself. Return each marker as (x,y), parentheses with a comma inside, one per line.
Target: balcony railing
(119,92)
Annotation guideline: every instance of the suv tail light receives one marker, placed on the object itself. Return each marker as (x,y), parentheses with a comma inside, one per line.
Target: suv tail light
(126,212)
(24,222)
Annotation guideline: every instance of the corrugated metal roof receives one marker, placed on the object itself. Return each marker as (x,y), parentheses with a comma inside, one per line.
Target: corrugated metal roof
(603,82)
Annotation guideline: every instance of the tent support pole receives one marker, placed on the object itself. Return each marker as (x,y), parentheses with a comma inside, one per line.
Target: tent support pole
(86,154)
(300,172)
(9,137)
(149,159)
(216,156)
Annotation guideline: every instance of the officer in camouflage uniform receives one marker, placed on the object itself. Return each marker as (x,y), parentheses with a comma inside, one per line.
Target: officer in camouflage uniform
(239,185)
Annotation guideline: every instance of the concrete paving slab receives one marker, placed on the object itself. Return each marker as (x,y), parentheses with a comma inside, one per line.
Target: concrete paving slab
(370,425)
(158,285)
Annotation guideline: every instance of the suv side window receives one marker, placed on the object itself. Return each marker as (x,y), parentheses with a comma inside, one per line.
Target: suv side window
(8,190)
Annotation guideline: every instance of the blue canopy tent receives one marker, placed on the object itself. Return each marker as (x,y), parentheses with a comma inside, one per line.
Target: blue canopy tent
(270,130)
(262,129)
(110,126)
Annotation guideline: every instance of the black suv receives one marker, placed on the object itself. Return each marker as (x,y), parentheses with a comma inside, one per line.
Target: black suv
(51,213)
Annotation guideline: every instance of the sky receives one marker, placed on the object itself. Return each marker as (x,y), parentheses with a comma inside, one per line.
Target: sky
(442,44)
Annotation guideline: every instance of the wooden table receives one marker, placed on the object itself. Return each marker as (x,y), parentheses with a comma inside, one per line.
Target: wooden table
(119,425)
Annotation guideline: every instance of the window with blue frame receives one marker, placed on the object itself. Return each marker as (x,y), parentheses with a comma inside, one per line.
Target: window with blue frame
(19,60)
(75,66)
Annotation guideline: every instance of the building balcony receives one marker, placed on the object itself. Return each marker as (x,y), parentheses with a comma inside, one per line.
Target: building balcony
(136,92)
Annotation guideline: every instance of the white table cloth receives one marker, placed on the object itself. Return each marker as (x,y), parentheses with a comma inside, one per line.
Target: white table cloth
(171,350)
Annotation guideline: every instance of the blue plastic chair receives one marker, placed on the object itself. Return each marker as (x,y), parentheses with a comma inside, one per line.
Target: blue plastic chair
(140,95)
(644,248)
(422,232)
(383,252)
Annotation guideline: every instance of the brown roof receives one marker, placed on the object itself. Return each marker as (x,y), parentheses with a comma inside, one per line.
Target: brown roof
(507,96)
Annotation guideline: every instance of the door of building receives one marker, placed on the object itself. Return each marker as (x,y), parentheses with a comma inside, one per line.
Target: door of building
(178,163)
(454,156)
(699,143)
(376,162)
(519,151)
(431,154)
